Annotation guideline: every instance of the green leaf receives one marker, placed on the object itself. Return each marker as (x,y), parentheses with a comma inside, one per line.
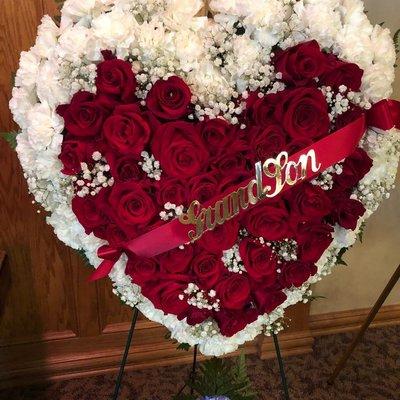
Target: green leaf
(221,377)
(396,40)
(339,260)
(60,3)
(10,138)
(360,235)
(184,346)
(86,261)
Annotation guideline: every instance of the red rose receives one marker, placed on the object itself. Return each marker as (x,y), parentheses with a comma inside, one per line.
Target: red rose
(125,168)
(180,150)
(172,190)
(263,109)
(313,239)
(347,212)
(268,220)
(301,64)
(197,316)
(84,116)
(348,117)
(169,99)
(355,167)
(267,300)
(141,269)
(165,296)
(223,237)
(126,131)
(233,180)
(110,232)
(234,161)
(116,78)
(295,273)
(231,323)
(176,261)
(73,152)
(307,201)
(216,133)
(208,269)
(234,292)
(131,204)
(342,73)
(90,211)
(203,187)
(269,142)
(303,112)
(259,261)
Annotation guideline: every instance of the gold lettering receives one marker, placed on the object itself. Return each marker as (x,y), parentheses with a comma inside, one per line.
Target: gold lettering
(280,169)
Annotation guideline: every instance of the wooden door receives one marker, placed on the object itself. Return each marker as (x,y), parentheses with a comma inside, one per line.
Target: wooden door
(53,323)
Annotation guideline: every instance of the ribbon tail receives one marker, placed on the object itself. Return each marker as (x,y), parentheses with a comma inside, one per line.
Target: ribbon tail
(385,115)
(102,271)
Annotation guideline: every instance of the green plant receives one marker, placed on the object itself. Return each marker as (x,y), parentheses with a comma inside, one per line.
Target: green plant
(221,377)
(10,138)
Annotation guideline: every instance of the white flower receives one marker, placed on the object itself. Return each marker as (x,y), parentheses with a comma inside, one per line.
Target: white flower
(382,46)
(43,124)
(74,43)
(115,29)
(76,9)
(47,38)
(189,49)
(377,82)
(21,102)
(28,69)
(179,13)
(49,88)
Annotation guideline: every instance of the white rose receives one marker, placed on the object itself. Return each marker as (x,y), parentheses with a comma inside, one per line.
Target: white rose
(47,38)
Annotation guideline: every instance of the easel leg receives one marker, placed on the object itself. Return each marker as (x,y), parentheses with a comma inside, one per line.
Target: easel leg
(389,287)
(193,374)
(125,356)
(281,367)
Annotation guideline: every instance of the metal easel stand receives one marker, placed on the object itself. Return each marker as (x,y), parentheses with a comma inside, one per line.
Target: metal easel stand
(194,364)
(389,287)
(125,356)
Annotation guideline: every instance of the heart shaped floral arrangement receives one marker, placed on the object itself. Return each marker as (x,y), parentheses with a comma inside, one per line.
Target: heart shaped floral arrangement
(138,117)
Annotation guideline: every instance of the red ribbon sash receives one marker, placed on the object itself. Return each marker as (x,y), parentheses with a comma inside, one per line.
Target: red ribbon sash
(330,150)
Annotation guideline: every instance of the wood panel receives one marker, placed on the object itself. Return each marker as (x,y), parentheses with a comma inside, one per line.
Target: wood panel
(54,324)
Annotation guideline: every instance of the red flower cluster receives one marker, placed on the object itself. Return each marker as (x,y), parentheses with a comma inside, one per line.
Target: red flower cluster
(200,160)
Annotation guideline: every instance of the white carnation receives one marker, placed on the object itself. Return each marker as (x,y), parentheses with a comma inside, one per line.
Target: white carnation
(115,29)
(47,38)
(21,102)
(28,69)
(179,13)
(43,124)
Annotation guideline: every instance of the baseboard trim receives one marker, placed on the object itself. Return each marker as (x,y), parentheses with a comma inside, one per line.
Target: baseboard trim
(351,320)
